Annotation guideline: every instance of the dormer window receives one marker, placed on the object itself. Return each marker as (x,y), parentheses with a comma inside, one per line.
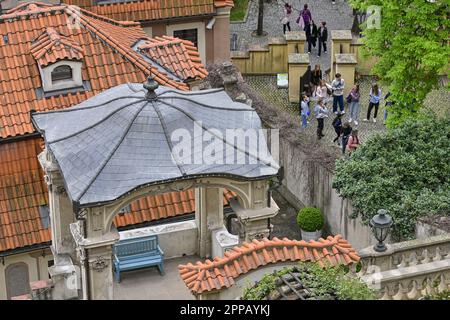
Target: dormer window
(62,73)
(59,59)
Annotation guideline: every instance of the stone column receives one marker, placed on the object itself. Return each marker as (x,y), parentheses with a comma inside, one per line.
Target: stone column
(297,66)
(340,43)
(95,254)
(345,65)
(295,41)
(255,220)
(60,206)
(208,216)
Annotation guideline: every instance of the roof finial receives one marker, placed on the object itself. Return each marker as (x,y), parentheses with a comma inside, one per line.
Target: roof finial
(151,85)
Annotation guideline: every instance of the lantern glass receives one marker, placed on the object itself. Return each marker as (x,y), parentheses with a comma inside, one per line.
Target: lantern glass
(381,224)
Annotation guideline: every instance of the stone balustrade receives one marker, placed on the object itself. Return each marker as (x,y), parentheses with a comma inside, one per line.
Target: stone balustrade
(408,270)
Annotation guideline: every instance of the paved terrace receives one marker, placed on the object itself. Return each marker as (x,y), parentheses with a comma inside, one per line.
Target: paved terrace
(338,17)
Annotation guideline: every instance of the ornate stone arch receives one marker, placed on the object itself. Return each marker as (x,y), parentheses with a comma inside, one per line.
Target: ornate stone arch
(241,188)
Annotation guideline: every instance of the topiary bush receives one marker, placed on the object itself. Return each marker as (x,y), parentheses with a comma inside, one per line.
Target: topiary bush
(310,219)
(405,171)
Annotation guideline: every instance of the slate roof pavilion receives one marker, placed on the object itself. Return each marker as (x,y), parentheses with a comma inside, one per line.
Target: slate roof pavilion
(120,140)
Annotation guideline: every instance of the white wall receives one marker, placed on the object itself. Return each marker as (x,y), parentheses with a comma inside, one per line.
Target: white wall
(175,239)
(37,267)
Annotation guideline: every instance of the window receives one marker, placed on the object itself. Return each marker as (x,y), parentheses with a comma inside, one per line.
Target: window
(126,209)
(62,73)
(188,34)
(17,280)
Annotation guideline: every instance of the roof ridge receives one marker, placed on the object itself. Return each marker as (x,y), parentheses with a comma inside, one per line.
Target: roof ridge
(221,272)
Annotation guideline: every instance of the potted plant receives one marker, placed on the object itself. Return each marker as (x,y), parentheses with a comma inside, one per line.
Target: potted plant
(311,221)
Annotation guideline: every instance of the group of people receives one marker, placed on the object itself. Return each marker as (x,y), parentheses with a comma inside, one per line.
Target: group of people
(314,35)
(323,93)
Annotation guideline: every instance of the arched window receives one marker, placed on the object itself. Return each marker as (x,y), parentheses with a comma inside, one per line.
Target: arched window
(17,280)
(62,73)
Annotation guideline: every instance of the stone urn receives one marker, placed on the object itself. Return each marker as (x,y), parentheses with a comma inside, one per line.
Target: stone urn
(308,235)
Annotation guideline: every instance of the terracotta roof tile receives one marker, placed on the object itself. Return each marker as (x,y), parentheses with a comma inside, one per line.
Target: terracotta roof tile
(203,277)
(39,32)
(152,9)
(179,57)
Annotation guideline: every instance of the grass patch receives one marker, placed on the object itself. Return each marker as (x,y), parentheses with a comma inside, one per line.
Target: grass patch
(238,11)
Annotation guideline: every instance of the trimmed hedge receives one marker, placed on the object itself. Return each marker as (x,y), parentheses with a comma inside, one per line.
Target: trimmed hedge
(310,219)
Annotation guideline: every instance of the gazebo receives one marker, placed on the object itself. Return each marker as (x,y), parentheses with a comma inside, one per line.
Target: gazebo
(139,139)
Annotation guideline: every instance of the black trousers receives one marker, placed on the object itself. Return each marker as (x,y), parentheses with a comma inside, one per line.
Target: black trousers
(369,111)
(324,44)
(344,143)
(319,127)
(338,134)
(286,26)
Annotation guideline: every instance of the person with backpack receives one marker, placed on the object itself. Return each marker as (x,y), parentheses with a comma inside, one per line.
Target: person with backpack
(338,93)
(322,34)
(374,101)
(353,141)
(286,21)
(304,110)
(337,125)
(353,102)
(346,132)
(304,17)
(321,113)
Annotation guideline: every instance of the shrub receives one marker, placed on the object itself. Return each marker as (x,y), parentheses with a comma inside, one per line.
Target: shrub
(310,219)
(405,171)
(331,283)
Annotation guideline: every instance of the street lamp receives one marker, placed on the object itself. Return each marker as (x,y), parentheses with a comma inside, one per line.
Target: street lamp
(381,224)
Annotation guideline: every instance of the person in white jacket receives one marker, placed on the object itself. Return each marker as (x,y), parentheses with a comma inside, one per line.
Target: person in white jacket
(338,93)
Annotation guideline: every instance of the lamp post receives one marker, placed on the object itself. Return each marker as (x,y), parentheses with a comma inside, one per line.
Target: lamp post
(381,224)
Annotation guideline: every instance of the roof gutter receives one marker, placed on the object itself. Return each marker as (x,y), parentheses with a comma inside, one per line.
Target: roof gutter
(26,249)
(146,23)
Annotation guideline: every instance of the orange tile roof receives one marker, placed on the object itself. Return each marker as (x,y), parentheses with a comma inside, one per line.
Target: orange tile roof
(162,206)
(52,46)
(178,56)
(143,10)
(22,191)
(108,59)
(222,272)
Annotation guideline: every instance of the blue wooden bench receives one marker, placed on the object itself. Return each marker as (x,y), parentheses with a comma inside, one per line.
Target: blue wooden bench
(137,253)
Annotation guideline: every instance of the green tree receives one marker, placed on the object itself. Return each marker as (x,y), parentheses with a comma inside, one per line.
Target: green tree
(412,44)
(405,171)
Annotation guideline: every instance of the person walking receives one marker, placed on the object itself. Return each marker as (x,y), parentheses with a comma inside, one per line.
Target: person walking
(354,104)
(338,93)
(337,125)
(311,35)
(353,141)
(321,113)
(346,132)
(305,17)
(316,76)
(286,21)
(322,34)
(304,110)
(387,106)
(374,101)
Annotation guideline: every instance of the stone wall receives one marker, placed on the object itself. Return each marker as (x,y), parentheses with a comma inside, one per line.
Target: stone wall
(307,182)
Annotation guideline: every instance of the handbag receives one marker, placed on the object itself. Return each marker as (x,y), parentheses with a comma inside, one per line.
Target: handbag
(349,98)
